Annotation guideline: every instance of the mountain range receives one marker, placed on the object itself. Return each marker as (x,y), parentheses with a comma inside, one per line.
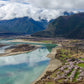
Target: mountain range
(23,25)
(26,18)
(65,26)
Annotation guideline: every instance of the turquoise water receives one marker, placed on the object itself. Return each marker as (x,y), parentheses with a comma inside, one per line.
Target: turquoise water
(23,68)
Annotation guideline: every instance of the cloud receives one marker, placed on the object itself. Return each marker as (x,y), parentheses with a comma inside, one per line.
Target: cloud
(10,10)
(56,4)
(37,9)
(59,4)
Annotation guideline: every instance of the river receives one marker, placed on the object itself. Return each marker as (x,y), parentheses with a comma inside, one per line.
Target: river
(22,68)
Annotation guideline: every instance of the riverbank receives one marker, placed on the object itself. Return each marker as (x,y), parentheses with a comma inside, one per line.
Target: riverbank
(2,45)
(19,49)
(24,40)
(53,63)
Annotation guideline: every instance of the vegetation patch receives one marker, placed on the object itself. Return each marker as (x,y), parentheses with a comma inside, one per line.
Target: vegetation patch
(46,41)
(63,54)
(69,73)
(49,83)
(76,75)
(50,46)
(82,59)
(81,65)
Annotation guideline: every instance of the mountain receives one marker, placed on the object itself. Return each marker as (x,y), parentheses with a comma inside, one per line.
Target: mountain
(25,18)
(23,25)
(65,26)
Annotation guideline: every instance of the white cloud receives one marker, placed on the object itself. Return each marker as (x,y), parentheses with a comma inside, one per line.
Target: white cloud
(9,10)
(43,9)
(56,4)
(59,4)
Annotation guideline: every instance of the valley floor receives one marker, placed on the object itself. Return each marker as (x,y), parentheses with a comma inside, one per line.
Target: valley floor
(68,56)
(71,66)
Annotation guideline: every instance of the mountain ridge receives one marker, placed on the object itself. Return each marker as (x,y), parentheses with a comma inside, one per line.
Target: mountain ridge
(65,26)
(23,25)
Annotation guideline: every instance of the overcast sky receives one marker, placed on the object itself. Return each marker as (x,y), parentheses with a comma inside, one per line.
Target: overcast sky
(38,9)
(56,4)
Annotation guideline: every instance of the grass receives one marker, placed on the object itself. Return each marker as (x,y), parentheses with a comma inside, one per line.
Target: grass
(53,75)
(64,54)
(81,65)
(49,83)
(63,50)
(82,59)
(76,75)
(48,41)
(70,73)
(50,46)
(60,81)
